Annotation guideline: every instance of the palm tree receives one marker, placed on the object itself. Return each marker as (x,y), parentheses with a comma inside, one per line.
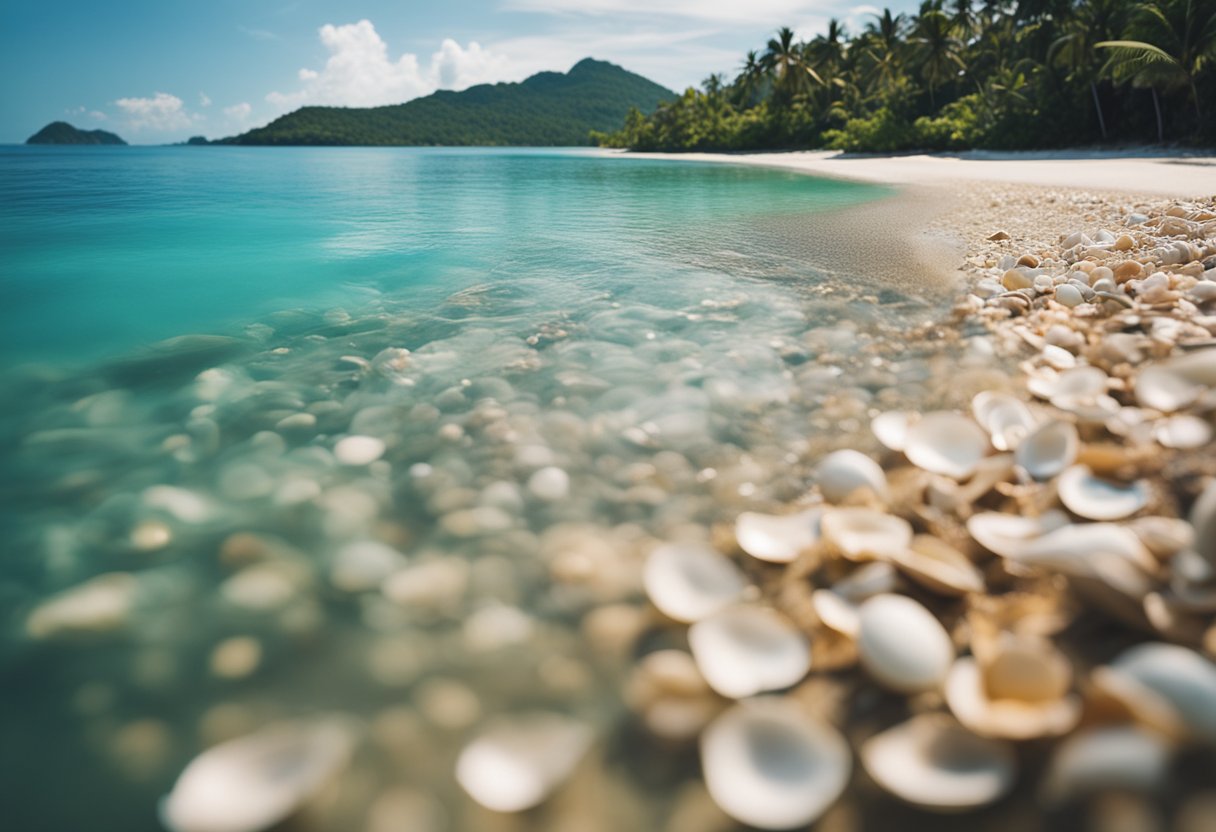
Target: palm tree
(884,39)
(1177,39)
(786,62)
(748,81)
(937,50)
(1094,21)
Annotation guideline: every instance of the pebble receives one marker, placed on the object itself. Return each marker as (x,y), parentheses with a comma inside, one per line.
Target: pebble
(359,450)
(1068,295)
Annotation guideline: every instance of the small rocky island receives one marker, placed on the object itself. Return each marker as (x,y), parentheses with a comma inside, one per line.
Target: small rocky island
(60,132)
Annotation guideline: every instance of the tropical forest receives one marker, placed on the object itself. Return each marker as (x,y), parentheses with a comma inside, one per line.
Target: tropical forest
(960,74)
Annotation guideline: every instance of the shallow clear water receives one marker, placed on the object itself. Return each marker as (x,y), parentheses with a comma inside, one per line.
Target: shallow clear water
(661,341)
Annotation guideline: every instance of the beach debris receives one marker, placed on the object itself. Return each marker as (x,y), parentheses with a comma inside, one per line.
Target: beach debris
(769,764)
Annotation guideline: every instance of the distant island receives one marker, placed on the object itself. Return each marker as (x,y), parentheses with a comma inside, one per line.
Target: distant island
(548,109)
(60,132)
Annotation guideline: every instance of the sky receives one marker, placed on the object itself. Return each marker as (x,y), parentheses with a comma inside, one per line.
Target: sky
(157,71)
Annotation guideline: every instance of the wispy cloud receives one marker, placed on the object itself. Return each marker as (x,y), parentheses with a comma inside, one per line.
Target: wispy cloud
(161,112)
(257,34)
(204,100)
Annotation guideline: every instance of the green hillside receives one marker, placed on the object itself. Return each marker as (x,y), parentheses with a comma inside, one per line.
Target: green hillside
(60,132)
(550,108)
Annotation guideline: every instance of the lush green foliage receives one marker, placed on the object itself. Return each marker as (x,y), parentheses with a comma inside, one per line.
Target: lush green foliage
(60,132)
(550,108)
(999,74)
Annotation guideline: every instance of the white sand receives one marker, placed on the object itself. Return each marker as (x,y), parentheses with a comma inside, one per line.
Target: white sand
(1181,175)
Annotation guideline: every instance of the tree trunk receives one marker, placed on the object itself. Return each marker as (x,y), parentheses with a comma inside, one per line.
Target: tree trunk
(1195,95)
(1157,107)
(1093,88)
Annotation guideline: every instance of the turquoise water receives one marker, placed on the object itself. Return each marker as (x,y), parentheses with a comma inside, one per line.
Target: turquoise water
(108,249)
(560,360)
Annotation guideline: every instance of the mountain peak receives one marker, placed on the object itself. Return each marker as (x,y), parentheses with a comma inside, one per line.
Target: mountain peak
(60,132)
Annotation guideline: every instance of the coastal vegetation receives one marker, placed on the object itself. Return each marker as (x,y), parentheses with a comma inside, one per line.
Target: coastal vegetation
(959,74)
(547,109)
(60,132)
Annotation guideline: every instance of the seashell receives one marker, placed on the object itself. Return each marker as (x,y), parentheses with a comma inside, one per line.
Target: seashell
(934,762)
(938,566)
(687,583)
(768,764)
(777,538)
(1048,450)
(1116,758)
(891,429)
(1177,383)
(1165,537)
(1006,418)
(946,443)
(836,612)
(902,645)
(1203,519)
(841,473)
(1180,676)
(517,761)
(1095,498)
(1008,534)
(742,651)
(1069,296)
(1083,550)
(1183,431)
(1018,692)
(864,534)
(263,778)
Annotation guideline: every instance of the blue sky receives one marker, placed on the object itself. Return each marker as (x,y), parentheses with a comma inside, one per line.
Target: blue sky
(163,70)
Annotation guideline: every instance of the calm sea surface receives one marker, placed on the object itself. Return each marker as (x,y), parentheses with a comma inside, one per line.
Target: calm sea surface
(547,364)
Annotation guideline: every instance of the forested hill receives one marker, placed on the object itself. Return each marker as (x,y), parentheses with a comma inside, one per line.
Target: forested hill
(60,132)
(550,109)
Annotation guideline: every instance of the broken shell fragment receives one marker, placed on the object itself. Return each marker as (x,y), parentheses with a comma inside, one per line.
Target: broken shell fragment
(517,761)
(768,764)
(934,762)
(687,583)
(742,651)
(902,645)
(261,779)
(1095,498)
(946,443)
(938,566)
(777,538)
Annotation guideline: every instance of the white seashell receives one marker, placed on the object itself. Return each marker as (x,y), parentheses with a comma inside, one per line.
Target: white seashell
(1095,498)
(1059,357)
(843,472)
(1116,758)
(768,764)
(1165,537)
(1008,534)
(687,583)
(1081,550)
(1076,387)
(1049,450)
(777,538)
(1182,677)
(935,564)
(358,450)
(864,534)
(836,612)
(868,579)
(1006,418)
(891,428)
(518,761)
(257,781)
(1177,383)
(1069,296)
(742,651)
(1203,518)
(1020,692)
(1183,431)
(946,443)
(934,762)
(902,645)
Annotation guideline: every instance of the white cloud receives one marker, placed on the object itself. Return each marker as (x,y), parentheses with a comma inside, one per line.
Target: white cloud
(238,112)
(204,100)
(98,115)
(361,73)
(162,112)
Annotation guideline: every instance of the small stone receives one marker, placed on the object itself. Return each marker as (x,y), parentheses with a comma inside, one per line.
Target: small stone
(549,484)
(359,450)
(1124,243)
(998,236)
(1015,279)
(1068,295)
(236,657)
(1028,260)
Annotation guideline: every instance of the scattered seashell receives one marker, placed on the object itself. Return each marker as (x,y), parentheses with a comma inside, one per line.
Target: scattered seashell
(841,473)
(902,645)
(1006,418)
(864,534)
(1183,431)
(777,538)
(516,762)
(1048,450)
(938,566)
(1180,676)
(1007,534)
(768,764)
(1177,383)
(688,583)
(891,429)
(934,762)
(1114,758)
(946,443)
(743,650)
(263,778)
(1095,498)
